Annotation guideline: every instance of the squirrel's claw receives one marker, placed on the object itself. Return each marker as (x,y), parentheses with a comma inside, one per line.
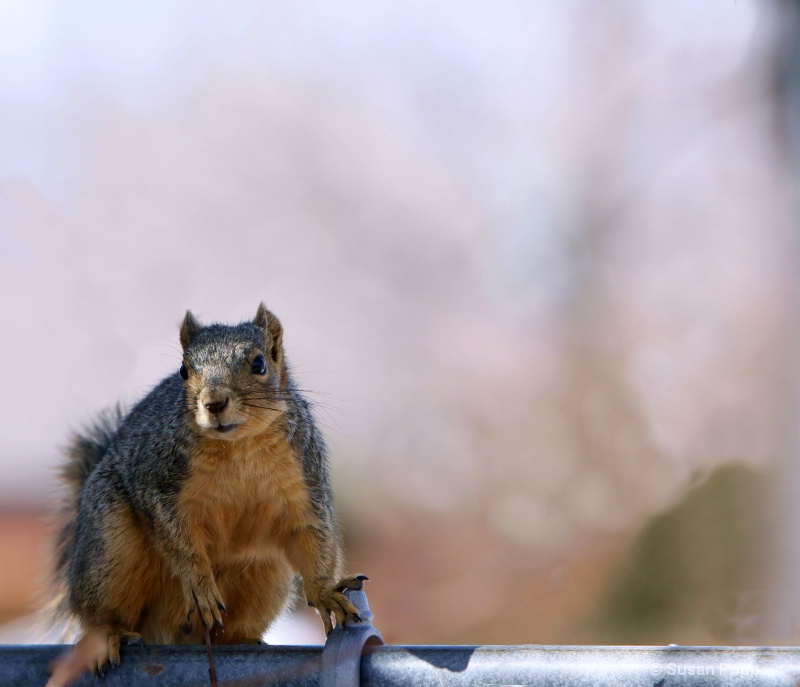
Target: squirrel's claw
(332,601)
(204,596)
(352,582)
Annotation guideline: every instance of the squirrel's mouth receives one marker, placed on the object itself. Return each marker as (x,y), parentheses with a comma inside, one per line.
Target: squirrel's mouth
(223,429)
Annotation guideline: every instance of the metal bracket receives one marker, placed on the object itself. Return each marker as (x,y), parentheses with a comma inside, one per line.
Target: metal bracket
(341,655)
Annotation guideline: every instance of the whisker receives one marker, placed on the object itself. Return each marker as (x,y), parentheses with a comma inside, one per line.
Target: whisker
(322,393)
(257,417)
(254,405)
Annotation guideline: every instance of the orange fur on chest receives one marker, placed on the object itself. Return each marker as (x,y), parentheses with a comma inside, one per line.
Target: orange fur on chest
(243,499)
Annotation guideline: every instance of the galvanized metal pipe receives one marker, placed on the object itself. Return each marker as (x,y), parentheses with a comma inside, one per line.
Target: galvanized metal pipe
(173,666)
(423,666)
(580,666)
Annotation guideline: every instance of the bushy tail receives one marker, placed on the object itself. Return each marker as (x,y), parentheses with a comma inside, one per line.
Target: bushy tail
(84,451)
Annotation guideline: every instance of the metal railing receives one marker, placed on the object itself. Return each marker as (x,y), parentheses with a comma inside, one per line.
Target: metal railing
(357,656)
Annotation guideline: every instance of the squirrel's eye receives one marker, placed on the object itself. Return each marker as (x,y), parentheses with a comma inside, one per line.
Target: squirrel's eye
(259,366)
(184,372)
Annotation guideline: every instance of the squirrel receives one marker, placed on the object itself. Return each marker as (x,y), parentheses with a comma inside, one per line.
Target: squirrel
(191,515)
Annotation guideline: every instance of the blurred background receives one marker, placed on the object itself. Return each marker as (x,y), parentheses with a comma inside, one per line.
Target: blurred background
(536,264)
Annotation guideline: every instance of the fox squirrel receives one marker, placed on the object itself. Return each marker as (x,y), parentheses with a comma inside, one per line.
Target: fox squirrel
(194,511)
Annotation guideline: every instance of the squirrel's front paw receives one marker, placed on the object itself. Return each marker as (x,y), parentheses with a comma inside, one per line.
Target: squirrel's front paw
(201,594)
(331,600)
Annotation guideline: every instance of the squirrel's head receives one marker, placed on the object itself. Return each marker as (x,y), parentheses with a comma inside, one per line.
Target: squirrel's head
(235,376)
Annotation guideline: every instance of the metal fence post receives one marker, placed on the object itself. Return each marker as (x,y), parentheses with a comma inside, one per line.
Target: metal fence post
(341,655)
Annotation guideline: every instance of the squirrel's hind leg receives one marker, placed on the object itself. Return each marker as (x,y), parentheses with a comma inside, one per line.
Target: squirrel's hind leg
(95,652)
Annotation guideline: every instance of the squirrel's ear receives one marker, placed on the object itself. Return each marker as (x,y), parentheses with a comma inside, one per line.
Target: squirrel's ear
(272,326)
(189,328)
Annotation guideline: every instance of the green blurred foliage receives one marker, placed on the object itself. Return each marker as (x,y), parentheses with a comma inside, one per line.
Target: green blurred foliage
(695,571)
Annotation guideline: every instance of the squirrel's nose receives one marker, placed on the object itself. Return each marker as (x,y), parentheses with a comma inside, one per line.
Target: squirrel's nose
(216,406)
